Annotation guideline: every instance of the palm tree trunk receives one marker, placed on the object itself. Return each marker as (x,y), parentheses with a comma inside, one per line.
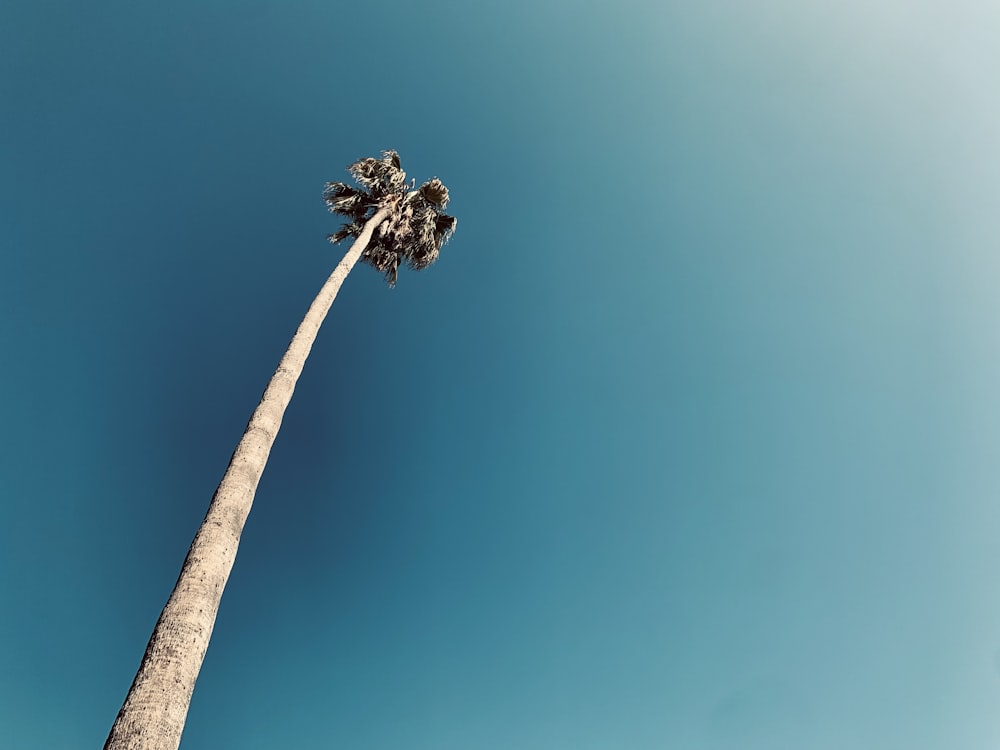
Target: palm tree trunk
(153,715)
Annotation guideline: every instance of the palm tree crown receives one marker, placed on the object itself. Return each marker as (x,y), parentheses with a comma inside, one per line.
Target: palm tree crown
(417,226)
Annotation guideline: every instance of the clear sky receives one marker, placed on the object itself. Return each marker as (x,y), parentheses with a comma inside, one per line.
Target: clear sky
(689,440)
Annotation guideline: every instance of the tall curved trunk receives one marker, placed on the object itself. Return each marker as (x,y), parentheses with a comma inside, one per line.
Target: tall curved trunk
(153,715)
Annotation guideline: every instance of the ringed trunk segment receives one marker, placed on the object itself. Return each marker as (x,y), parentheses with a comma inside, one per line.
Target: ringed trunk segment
(155,709)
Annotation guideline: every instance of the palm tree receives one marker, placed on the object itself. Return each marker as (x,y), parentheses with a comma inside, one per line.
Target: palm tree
(391,226)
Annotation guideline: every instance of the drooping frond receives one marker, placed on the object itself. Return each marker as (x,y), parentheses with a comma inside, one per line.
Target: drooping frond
(394,178)
(391,158)
(427,228)
(348,230)
(337,189)
(365,172)
(446,226)
(416,227)
(345,200)
(347,205)
(381,176)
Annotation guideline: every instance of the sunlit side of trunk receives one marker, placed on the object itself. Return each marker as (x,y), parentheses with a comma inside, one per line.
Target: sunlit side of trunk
(154,712)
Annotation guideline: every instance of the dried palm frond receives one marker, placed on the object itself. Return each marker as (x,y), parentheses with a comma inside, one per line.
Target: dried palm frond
(435,192)
(446,226)
(346,204)
(365,172)
(381,176)
(337,189)
(348,230)
(391,158)
(427,230)
(346,200)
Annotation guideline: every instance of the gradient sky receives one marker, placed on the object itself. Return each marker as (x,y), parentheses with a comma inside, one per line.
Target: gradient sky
(688,441)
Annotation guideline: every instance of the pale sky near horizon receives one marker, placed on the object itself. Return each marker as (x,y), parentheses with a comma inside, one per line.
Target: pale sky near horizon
(689,440)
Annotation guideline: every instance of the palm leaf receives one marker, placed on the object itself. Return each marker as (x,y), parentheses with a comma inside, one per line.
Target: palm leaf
(391,158)
(434,192)
(446,226)
(337,189)
(348,230)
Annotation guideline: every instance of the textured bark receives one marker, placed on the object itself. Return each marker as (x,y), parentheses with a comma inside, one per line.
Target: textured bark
(153,715)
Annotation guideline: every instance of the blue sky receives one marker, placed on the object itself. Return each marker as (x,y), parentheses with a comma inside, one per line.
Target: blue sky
(687,441)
